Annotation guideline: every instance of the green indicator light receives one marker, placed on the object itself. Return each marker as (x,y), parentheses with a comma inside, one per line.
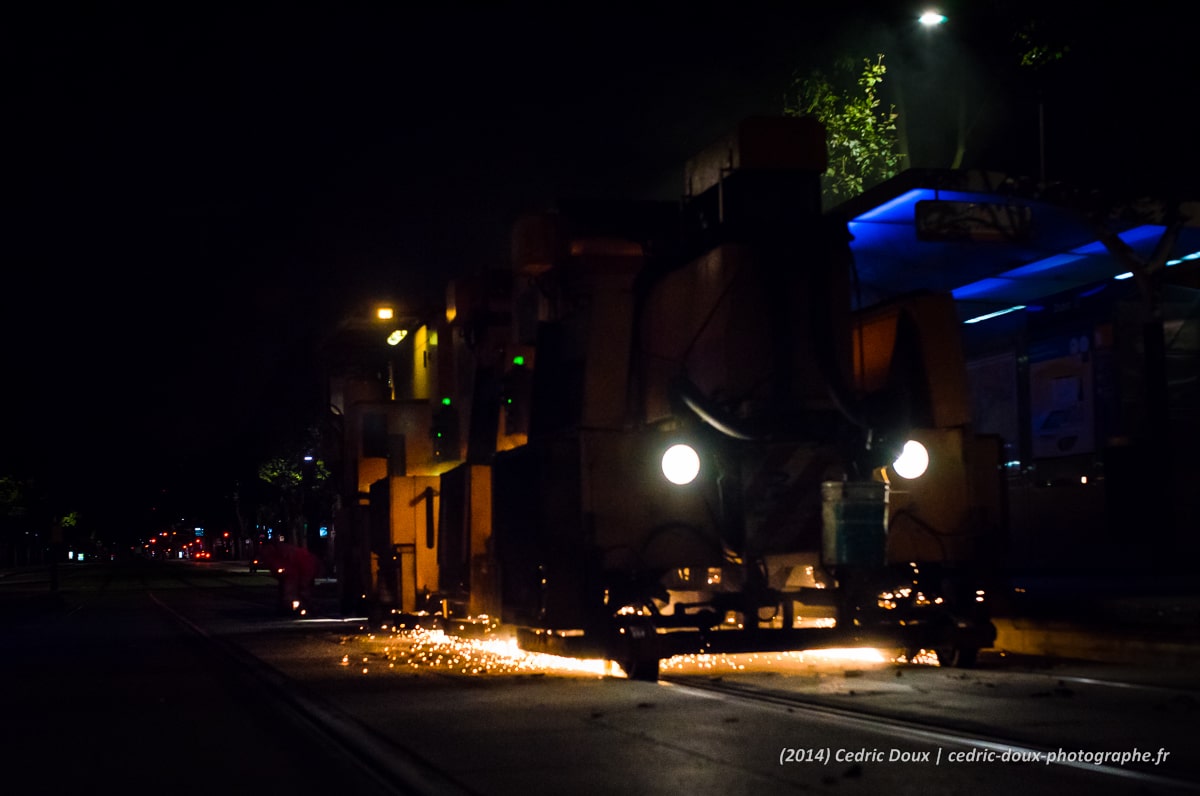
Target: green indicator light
(518,360)
(446,401)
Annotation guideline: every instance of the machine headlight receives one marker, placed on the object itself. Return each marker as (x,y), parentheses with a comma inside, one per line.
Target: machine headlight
(681,464)
(913,460)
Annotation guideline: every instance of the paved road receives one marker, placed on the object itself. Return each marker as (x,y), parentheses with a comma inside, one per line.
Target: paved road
(181,678)
(104,690)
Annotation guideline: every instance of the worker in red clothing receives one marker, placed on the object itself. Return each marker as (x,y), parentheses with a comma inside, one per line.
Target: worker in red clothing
(296,571)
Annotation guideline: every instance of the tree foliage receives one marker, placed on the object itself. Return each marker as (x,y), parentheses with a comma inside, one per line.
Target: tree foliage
(295,477)
(861,134)
(27,514)
(1037,49)
(283,473)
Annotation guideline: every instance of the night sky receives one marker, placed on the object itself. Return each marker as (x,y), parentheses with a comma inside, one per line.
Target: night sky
(191,193)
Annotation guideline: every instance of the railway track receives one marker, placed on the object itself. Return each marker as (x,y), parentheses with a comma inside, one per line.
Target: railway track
(938,732)
(389,768)
(950,737)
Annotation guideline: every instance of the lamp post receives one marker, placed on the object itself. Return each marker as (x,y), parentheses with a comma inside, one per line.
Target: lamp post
(929,21)
(386,314)
(367,337)
(932,20)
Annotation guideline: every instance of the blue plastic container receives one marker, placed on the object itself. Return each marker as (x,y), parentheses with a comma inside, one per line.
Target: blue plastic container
(854,523)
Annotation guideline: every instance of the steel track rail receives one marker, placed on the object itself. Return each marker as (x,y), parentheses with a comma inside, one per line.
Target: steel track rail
(909,728)
(1117,684)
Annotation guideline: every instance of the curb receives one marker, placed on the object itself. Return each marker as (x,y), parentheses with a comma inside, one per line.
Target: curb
(1063,640)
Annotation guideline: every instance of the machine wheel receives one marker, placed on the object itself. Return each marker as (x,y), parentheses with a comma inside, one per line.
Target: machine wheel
(634,649)
(957,657)
(642,668)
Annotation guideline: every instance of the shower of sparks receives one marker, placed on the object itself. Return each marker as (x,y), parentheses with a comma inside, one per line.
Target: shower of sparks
(924,658)
(759,661)
(434,651)
(400,649)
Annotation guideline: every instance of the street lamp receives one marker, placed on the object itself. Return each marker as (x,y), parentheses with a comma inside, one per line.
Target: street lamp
(913,64)
(386,313)
(931,19)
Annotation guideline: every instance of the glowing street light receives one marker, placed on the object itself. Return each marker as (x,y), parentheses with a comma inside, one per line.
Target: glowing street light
(932,19)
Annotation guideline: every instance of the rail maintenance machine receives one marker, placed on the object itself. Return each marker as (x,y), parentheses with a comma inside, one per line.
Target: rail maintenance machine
(702,435)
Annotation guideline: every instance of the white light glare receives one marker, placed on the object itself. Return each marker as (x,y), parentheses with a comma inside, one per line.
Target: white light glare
(931,18)
(681,464)
(913,460)
(396,336)
(995,314)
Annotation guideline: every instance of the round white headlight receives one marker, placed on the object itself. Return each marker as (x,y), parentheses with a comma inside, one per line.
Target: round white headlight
(913,460)
(681,464)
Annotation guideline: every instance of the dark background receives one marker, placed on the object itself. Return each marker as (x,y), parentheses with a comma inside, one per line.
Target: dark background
(193,193)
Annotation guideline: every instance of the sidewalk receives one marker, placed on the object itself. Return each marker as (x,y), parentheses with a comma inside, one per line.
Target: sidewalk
(1145,619)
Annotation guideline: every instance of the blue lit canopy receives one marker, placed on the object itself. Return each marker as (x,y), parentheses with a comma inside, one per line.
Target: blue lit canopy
(992,248)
